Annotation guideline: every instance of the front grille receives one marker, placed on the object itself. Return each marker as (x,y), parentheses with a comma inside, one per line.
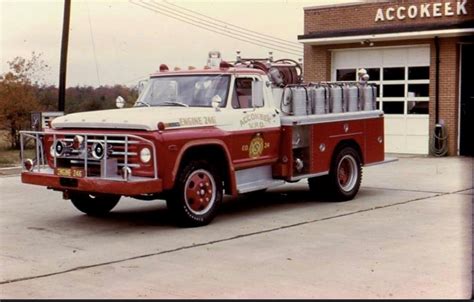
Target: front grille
(116,149)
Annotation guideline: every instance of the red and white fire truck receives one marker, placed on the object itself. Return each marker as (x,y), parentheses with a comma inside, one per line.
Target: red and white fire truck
(194,135)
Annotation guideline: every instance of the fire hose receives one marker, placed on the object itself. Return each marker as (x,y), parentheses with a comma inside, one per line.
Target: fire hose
(439,141)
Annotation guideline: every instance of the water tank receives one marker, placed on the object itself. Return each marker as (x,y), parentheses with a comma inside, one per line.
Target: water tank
(335,99)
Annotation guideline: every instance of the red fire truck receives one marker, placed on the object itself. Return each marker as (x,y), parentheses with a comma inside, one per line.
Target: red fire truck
(194,135)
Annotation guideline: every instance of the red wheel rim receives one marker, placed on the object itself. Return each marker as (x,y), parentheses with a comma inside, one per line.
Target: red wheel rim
(200,191)
(347,173)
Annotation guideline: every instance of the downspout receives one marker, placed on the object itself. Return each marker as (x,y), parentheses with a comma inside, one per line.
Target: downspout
(436,42)
(439,141)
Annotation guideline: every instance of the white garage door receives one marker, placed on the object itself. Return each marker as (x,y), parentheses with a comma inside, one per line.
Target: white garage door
(402,77)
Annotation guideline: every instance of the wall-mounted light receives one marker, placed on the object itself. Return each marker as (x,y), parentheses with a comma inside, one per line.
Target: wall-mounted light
(367,42)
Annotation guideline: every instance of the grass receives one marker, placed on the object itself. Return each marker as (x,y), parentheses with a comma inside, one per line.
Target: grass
(11,158)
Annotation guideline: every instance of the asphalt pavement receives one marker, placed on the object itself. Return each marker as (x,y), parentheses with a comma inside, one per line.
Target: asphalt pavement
(407,234)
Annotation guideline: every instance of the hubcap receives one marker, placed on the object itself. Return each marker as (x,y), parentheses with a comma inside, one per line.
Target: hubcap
(200,192)
(347,173)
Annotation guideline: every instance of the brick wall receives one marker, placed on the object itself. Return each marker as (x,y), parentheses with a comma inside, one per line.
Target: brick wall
(317,59)
(362,16)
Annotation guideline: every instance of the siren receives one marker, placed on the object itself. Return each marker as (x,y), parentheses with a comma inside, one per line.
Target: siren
(224,65)
(163,68)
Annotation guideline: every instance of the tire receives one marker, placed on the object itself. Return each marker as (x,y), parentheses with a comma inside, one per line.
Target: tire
(197,194)
(319,185)
(345,174)
(94,205)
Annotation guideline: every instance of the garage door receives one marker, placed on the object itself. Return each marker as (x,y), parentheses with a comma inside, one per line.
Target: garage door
(402,77)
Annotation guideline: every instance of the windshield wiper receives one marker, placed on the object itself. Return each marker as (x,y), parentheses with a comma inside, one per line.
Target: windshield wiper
(176,103)
(141,102)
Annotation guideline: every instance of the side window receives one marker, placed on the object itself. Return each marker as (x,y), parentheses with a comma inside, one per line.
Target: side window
(242,96)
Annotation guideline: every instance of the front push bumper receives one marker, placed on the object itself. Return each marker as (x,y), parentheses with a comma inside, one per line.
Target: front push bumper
(136,186)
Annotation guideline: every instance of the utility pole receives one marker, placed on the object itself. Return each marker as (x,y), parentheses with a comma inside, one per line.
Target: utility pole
(63,63)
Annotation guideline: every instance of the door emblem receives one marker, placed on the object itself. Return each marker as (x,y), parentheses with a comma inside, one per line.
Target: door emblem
(256,146)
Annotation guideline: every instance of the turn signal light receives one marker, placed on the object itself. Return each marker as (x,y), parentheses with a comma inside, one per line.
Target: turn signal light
(28,164)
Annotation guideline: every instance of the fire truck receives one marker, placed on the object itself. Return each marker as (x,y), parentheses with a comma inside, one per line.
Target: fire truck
(193,135)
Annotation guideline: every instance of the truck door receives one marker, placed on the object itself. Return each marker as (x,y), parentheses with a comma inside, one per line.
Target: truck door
(256,133)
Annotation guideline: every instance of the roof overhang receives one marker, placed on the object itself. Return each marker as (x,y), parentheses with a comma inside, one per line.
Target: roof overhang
(444,33)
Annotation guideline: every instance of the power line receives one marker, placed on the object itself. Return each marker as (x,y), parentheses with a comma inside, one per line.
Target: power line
(229,26)
(93,44)
(225,29)
(143,5)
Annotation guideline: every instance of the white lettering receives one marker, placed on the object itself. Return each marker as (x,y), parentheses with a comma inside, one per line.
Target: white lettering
(412,11)
(437,10)
(401,16)
(379,15)
(448,10)
(461,8)
(427,10)
(389,13)
(424,10)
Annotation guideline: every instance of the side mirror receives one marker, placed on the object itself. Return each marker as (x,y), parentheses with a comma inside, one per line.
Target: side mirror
(119,102)
(257,94)
(216,102)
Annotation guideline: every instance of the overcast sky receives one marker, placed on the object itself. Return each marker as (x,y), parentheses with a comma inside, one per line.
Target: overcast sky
(131,42)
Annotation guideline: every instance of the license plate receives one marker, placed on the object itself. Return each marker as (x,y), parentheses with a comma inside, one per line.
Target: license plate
(69,172)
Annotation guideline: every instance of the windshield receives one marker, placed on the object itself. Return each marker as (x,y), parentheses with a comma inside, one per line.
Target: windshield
(187,91)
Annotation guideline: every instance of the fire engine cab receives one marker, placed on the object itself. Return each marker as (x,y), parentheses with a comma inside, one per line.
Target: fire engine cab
(194,135)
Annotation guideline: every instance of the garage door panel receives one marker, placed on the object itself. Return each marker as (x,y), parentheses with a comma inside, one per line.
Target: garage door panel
(394,57)
(346,59)
(417,144)
(394,125)
(395,143)
(371,58)
(418,56)
(418,126)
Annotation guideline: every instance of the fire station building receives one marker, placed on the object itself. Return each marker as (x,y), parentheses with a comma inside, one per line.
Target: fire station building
(419,53)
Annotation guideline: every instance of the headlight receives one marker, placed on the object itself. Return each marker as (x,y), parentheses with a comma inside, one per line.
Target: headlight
(98,150)
(145,155)
(56,149)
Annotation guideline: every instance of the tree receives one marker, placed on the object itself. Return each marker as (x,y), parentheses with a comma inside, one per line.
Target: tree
(18,97)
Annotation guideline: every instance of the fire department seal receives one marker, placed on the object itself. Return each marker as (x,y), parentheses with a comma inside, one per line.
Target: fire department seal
(256,146)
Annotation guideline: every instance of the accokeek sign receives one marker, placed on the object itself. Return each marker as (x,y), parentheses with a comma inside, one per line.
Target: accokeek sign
(427,10)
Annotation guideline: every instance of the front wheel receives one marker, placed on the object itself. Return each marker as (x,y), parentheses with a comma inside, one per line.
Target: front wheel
(94,204)
(197,194)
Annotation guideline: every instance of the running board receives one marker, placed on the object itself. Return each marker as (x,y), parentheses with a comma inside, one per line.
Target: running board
(385,161)
(259,185)
(254,179)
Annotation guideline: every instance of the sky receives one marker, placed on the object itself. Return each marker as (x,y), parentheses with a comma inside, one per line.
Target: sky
(118,42)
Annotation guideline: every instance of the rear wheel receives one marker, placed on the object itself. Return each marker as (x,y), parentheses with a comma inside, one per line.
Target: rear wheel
(345,175)
(197,194)
(344,178)
(94,204)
